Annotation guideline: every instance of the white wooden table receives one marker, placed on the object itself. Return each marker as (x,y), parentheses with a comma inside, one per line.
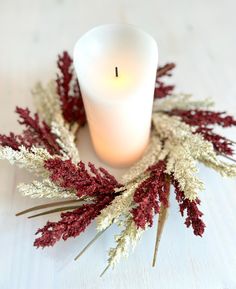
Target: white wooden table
(200,37)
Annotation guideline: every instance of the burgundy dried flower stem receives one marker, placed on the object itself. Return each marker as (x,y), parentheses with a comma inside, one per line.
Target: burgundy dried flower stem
(149,195)
(86,182)
(36,133)
(69,92)
(197,117)
(161,223)
(161,89)
(193,214)
(165,70)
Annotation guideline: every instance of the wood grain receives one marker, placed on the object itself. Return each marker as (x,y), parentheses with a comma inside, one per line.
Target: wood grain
(200,37)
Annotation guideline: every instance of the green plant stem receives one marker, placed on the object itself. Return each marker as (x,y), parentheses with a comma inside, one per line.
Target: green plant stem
(227,157)
(61,209)
(104,271)
(90,243)
(160,225)
(49,205)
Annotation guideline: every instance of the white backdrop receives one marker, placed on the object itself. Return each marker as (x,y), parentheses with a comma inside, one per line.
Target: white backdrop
(200,37)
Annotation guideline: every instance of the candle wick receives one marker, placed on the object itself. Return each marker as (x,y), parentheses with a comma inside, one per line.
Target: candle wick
(116,71)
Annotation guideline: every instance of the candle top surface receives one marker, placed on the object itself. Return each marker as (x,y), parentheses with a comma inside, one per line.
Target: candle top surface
(113,60)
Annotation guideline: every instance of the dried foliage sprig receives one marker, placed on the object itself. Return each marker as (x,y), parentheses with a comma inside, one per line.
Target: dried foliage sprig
(35,134)
(150,195)
(45,189)
(128,237)
(162,89)
(66,139)
(196,117)
(95,182)
(203,120)
(72,224)
(191,206)
(69,91)
(185,148)
(47,102)
(182,135)
(180,101)
(221,144)
(31,159)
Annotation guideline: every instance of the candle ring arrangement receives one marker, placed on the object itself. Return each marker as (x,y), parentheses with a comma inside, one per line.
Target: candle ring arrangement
(182,134)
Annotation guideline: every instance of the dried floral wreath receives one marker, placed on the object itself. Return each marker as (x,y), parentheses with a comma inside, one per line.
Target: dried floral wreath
(182,134)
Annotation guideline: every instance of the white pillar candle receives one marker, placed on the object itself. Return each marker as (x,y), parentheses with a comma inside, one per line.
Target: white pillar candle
(116,67)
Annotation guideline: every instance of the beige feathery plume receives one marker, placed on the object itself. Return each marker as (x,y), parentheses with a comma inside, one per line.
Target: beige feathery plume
(180,101)
(47,101)
(119,206)
(210,160)
(48,106)
(66,140)
(184,149)
(32,159)
(45,189)
(128,237)
(182,165)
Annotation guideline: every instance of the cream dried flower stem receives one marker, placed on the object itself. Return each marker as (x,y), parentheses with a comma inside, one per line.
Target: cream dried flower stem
(47,101)
(31,159)
(66,140)
(45,189)
(180,101)
(128,237)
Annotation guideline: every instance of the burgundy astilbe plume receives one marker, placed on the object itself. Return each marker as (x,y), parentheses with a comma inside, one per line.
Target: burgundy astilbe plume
(203,120)
(96,183)
(220,143)
(14,141)
(36,133)
(150,194)
(161,89)
(69,91)
(194,215)
(71,223)
(195,117)
(92,182)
